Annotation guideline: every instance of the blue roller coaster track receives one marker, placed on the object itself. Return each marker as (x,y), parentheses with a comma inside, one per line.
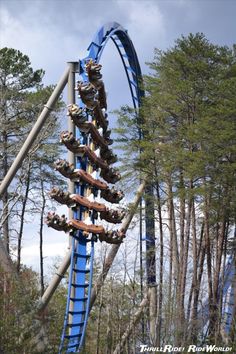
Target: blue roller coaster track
(81,266)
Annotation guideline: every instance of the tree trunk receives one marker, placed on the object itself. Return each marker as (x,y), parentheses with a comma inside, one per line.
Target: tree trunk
(199,266)
(151,260)
(160,298)
(172,228)
(5,224)
(22,219)
(5,207)
(195,260)
(169,319)
(141,260)
(221,297)
(174,275)
(99,322)
(221,241)
(109,331)
(209,269)
(217,271)
(182,288)
(41,237)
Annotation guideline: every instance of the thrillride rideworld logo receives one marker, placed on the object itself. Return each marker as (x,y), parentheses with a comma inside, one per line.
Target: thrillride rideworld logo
(144,348)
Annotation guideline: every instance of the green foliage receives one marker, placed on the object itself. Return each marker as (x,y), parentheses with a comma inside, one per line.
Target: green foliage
(16,305)
(188,121)
(16,72)
(19,324)
(188,115)
(18,81)
(22,100)
(23,97)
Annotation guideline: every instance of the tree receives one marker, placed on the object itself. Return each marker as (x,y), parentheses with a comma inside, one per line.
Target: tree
(16,79)
(188,151)
(22,99)
(18,323)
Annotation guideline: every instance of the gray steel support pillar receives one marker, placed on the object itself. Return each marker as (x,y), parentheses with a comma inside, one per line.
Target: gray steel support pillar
(34,132)
(71,155)
(71,127)
(73,67)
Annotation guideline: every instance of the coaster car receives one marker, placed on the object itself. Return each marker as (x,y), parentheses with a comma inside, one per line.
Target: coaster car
(75,200)
(112,195)
(77,114)
(112,216)
(94,75)
(78,175)
(87,94)
(61,224)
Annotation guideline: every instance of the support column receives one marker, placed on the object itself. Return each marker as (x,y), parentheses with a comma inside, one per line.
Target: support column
(71,127)
(71,156)
(151,261)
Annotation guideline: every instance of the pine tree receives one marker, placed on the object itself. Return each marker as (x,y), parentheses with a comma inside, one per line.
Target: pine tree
(188,151)
(16,79)
(22,99)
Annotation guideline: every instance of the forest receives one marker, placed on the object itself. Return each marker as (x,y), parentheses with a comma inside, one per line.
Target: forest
(166,285)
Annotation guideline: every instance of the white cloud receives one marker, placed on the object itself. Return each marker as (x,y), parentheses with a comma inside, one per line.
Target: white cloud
(50,41)
(146,20)
(55,243)
(30,254)
(146,26)
(47,46)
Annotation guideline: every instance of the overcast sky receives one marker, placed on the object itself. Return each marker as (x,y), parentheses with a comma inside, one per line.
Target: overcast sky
(53,32)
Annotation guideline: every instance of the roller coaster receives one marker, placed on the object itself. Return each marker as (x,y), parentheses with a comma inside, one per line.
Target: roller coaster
(90,157)
(93,156)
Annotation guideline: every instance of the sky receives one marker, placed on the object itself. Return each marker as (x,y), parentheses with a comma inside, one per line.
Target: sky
(53,32)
